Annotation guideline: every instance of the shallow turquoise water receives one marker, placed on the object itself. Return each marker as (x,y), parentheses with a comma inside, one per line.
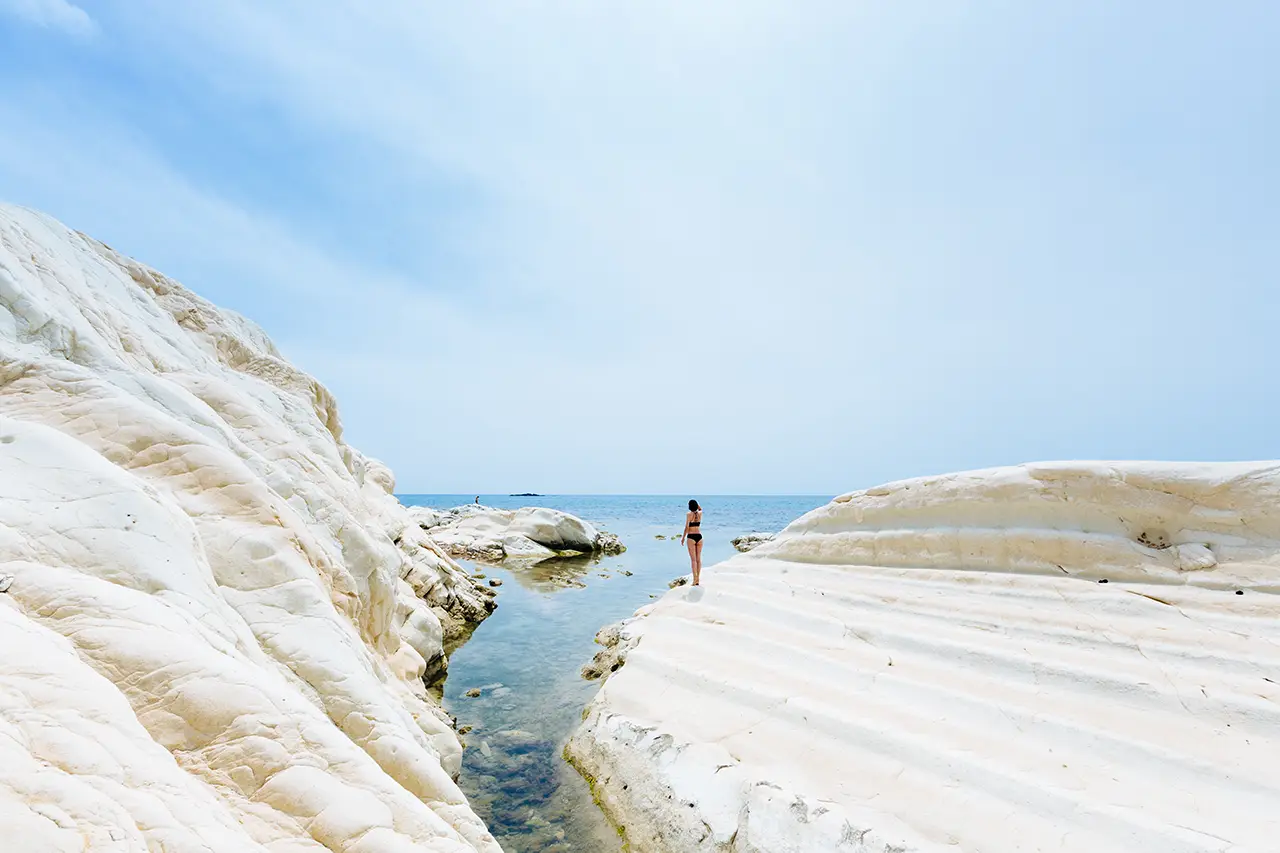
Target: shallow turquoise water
(527,657)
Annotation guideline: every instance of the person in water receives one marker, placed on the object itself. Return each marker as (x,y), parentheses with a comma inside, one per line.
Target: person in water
(693,533)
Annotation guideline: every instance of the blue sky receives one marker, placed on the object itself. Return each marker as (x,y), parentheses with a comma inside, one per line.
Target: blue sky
(696,247)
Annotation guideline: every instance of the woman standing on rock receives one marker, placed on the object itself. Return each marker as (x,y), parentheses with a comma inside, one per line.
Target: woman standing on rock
(693,533)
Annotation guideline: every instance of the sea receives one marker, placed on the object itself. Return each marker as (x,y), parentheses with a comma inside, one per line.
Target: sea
(526,658)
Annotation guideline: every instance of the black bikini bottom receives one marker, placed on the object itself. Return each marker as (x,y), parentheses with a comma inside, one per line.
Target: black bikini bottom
(695,537)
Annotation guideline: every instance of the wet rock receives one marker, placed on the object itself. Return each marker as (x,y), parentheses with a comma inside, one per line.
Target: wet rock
(609,543)
(748,541)
(618,641)
(473,693)
(6,581)
(495,582)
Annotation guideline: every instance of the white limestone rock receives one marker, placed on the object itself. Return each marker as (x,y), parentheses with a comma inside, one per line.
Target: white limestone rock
(747,541)
(933,665)
(528,535)
(616,641)
(219,617)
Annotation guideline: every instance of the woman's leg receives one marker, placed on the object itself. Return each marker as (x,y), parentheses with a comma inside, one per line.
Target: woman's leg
(693,559)
(697,573)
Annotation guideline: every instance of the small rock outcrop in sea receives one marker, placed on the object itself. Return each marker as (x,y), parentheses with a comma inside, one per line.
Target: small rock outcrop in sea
(221,619)
(527,535)
(1051,657)
(748,541)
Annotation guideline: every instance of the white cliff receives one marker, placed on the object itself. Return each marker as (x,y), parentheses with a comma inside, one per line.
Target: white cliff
(217,618)
(528,535)
(1068,657)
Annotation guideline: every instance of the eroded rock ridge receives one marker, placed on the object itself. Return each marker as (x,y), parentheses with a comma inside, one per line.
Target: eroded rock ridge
(217,619)
(1074,656)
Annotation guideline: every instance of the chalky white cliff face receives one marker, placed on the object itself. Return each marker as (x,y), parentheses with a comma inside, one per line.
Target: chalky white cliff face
(218,617)
(1069,657)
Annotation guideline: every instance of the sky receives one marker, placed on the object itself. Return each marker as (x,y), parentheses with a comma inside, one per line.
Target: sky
(731,246)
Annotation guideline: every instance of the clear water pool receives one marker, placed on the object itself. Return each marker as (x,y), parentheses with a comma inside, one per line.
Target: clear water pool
(526,658)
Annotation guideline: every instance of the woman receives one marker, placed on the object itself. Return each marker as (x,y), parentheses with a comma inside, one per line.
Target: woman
(693,533)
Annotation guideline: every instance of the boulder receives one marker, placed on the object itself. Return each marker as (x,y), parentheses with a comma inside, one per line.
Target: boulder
(527,535)
(555,530)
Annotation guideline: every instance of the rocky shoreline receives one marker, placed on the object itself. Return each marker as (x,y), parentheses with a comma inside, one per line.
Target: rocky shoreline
(748,541)
(228,625)
(1092,634)
(227,621)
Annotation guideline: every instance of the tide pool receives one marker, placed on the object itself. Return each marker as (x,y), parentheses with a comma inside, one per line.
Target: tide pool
(526,658)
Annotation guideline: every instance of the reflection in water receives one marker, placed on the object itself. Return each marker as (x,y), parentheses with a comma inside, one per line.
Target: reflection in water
(555,573)
(516,691)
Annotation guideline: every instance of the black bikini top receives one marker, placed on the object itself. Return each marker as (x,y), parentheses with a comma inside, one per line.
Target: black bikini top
(697,523)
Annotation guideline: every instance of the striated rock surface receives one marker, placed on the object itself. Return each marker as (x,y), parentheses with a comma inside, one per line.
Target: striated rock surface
(937,665)
(748,541)
(531,534)
(216,619)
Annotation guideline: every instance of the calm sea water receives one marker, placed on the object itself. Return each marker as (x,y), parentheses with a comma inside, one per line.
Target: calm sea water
(526,658)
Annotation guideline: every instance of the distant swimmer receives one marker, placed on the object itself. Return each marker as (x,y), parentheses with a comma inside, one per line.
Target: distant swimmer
(477,499)
(693,533)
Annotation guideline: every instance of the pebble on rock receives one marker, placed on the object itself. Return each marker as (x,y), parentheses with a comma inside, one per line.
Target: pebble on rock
(6,581)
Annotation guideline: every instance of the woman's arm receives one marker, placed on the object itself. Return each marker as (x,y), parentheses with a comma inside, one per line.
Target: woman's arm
(688,516)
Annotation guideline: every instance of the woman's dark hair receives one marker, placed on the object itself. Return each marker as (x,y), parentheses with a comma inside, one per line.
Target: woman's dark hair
(693,505)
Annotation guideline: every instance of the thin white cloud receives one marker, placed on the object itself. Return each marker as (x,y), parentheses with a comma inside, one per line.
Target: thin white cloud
(738,243)
(53,14)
